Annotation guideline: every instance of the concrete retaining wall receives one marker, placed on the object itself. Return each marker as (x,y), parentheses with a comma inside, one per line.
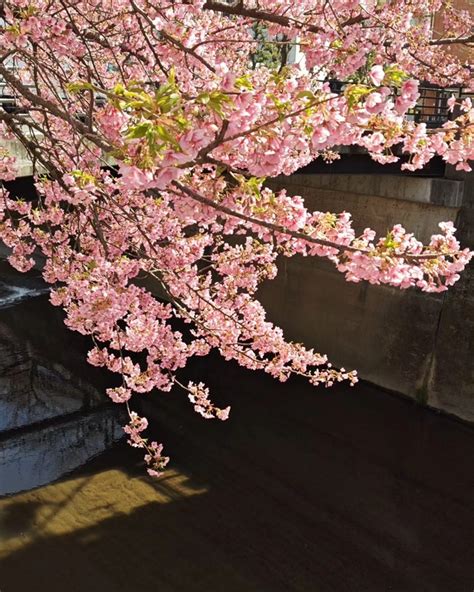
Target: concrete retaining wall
(418,344)
(54,414)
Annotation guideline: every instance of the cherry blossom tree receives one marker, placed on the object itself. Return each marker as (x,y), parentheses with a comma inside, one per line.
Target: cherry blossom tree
(152,128)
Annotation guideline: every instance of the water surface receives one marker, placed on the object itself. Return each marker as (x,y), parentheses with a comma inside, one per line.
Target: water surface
(301,490)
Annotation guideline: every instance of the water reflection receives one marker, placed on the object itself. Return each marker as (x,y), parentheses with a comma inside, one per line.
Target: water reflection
(41,454)
(32,389)
(52,414)
(11,294)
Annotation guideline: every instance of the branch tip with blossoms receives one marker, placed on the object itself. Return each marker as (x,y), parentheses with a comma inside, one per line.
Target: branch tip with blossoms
(199,397)
(154,458)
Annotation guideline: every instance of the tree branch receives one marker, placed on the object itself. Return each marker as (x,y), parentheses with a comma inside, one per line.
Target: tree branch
(282,230)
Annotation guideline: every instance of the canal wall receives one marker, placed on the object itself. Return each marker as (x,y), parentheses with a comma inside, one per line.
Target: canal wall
(54,414)
(417,344)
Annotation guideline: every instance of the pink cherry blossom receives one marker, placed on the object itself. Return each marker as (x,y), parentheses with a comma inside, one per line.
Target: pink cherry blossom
(152,137)
(119,394)
(377,75)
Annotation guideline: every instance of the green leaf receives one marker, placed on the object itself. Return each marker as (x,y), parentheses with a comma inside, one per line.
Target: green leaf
(78,86)
(139,131)
(395,76)
(203,98)
(306,94)
(243,82)
(354,93)
(118,89)
(389,241)
(164,134)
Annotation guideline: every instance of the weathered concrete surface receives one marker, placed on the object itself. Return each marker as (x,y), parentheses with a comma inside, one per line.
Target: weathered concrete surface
(38,456)
(369,209)
(450,384)
(359,326)
(417,344)
(54,415)
(24,165)
(446,192)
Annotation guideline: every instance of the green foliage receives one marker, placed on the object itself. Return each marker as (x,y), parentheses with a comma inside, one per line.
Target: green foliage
(243,83)
(157,116)
(78,86)
(215,100)
(395,76)
(390,242)
(250,185)
(267,54)
(354,94)
(84,178)
(360,76)
(306,94)
(135,98)
(283,107)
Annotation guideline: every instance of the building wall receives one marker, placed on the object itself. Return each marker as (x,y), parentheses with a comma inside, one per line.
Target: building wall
(462,52)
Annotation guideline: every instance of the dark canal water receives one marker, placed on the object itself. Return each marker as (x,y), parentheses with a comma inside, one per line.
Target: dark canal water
(302,490)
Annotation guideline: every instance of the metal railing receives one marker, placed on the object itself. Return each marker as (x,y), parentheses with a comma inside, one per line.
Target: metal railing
(9,102)
(432,105)
(431,108)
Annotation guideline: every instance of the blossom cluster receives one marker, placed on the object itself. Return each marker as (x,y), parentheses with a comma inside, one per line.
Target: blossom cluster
(151,139)
(154,458)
